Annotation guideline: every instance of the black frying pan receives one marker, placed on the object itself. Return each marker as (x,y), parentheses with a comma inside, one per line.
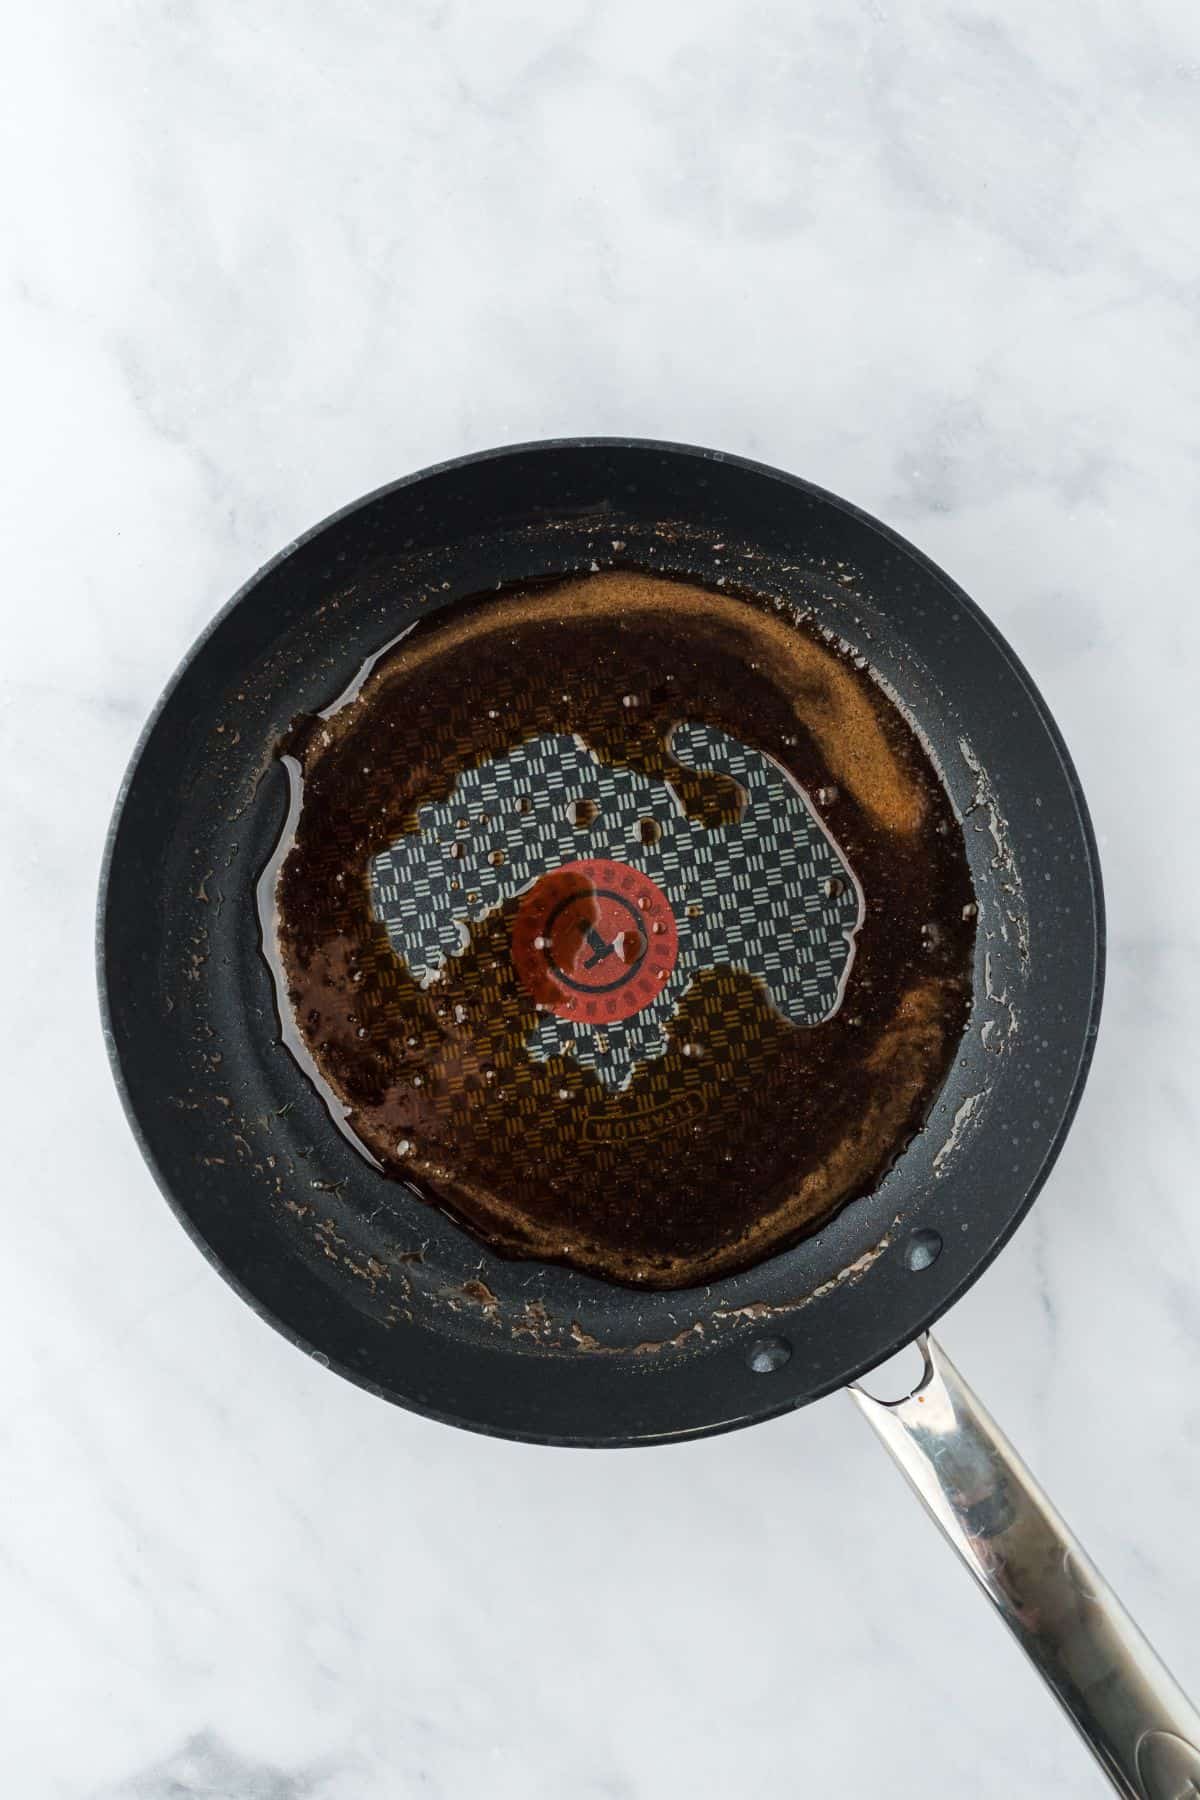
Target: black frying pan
(390,1292)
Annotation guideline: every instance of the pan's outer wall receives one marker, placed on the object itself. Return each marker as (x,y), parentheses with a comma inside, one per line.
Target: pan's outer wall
(281,1205)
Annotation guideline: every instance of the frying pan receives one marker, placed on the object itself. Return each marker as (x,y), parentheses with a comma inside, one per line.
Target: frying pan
(393,1294)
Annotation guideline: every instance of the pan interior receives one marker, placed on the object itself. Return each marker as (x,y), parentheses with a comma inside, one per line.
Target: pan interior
(572,926)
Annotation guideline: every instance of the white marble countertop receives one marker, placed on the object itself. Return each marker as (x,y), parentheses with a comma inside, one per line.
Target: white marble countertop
(258,260)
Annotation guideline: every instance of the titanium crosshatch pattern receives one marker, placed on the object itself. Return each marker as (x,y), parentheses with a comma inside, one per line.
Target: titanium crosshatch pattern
(769,894)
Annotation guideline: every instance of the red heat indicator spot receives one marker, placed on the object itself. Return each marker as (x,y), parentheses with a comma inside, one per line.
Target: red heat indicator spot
(595,941)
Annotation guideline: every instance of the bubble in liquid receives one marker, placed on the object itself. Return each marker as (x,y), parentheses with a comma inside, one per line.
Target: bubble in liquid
(582,813)
(496,858)
(404,1146)
(649,830)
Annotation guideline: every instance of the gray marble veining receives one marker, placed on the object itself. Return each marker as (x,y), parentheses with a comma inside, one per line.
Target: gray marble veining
(257,261)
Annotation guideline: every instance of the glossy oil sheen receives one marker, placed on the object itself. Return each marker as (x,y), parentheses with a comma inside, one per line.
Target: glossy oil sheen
(748,1129)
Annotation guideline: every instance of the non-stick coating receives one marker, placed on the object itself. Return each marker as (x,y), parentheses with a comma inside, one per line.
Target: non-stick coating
(390,1292)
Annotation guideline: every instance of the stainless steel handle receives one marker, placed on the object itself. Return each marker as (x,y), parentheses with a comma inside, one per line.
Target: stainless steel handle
(1136,1720)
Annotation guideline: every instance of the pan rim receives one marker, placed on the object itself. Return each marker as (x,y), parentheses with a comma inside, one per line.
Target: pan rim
(701,455)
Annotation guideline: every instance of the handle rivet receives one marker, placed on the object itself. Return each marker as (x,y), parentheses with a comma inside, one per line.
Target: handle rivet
(922,1249)
(769,1354)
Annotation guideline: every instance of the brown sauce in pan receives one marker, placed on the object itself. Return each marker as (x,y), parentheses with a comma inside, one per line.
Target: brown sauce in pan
(748,1129)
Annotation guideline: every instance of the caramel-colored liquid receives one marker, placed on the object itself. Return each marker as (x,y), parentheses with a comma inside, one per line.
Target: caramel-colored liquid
(750,1130)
